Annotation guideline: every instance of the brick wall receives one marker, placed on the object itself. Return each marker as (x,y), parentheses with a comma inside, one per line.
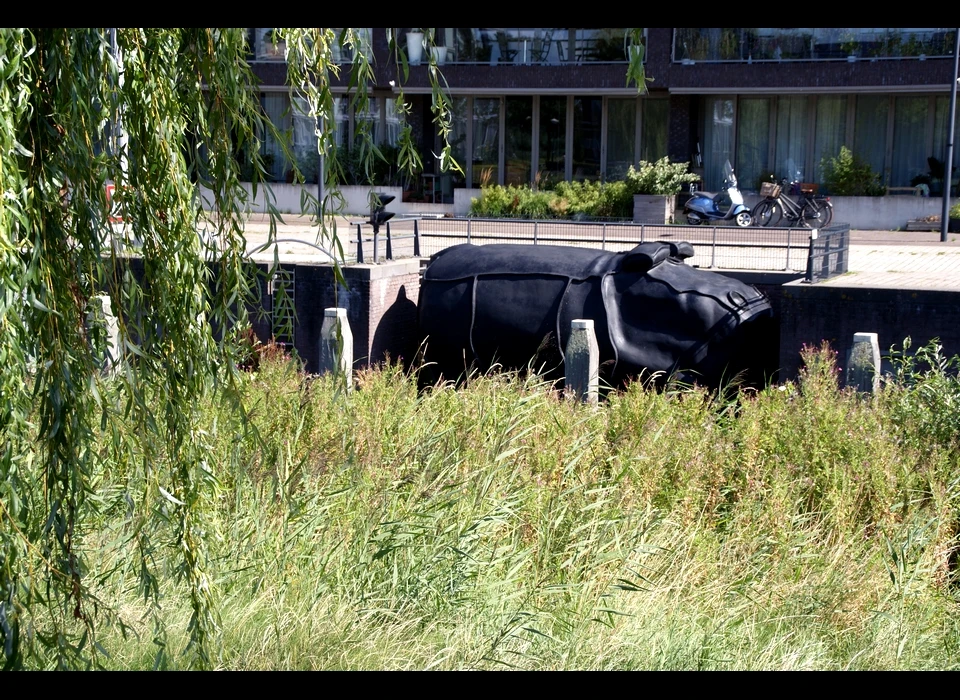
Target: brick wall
(812,313)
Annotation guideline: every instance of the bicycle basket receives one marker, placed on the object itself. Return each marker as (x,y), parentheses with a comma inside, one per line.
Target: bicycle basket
(769,189)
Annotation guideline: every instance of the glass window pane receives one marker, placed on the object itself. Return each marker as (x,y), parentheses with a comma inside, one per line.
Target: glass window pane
(458,144)
(621,136)
(791,138)
(870,130)
(718,138)
(486,141)
(277,108)
(753,142)
(553,132)
(587,115)
(655,126)
(940,127)
(370,119)
(305,140)
(831,130)
(518,140)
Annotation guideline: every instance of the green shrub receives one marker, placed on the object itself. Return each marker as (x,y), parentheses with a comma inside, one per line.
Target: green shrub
(660,177)
(583,199)
(955,211)
(850,175)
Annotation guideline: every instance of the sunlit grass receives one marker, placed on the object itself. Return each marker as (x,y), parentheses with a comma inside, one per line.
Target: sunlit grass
(500,525)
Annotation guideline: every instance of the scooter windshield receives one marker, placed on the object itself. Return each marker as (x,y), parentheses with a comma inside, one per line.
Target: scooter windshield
(728,174)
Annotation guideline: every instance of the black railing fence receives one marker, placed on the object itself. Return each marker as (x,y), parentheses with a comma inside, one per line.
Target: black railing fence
(815,254)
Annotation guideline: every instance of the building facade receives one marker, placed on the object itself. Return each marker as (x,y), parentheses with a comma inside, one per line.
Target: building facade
(534,106)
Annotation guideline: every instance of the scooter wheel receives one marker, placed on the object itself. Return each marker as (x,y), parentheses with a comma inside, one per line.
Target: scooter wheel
(744,219)
(694,220)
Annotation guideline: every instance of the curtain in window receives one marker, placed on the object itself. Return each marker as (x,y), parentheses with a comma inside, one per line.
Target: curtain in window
(870,131)
(909,140)
(940,127)
(718,135)
(655,126)
(753,142)
(792,138)
(831,130)
(621,136)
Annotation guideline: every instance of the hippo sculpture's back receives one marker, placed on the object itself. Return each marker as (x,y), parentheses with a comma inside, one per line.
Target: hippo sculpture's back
(654,315)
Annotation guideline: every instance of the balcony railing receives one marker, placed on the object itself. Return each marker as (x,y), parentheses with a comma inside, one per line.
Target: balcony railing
(712,45)
(539,46)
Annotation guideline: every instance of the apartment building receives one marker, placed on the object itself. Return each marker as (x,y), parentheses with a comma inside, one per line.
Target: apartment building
(539,105)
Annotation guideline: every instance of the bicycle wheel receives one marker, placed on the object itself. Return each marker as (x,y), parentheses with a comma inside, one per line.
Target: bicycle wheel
(814,215)
(828,210)
(767,213)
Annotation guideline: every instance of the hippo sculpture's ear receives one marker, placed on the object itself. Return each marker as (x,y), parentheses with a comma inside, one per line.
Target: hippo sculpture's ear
(648,255)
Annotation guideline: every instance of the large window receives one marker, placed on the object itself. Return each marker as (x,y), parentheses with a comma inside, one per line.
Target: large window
(553,132)
(753,142)
(831,131)
(909,140)
(792,131)
(655,127)
(587,119)
(486,141)
(718,138)
(518,136)
(870,130)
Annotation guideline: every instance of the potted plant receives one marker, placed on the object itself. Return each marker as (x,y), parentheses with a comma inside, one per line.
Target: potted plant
(414,46)
(953,223)
(655,187)
(273,43)
(850,46)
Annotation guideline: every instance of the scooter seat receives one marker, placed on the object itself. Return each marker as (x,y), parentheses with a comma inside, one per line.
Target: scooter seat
(701,193)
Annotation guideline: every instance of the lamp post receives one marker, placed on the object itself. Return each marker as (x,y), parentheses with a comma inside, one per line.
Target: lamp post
(951,120)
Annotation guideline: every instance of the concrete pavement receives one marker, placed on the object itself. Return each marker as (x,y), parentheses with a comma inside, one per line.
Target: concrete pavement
(879,259)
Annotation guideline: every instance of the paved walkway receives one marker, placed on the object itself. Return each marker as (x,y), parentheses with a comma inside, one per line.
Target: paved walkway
(881,259)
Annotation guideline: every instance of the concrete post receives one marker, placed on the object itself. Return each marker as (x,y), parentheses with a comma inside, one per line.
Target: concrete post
(863,363)
(582,361)
(102,314)
(336,353)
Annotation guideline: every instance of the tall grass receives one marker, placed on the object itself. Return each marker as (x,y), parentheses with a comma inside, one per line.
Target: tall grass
(500,525)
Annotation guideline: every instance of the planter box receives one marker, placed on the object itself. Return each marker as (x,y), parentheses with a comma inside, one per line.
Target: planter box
(654,208)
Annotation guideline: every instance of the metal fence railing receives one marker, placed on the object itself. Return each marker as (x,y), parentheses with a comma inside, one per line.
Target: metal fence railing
(829,253)
(770,249)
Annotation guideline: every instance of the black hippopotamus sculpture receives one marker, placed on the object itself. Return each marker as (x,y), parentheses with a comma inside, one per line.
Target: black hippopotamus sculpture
(512,305)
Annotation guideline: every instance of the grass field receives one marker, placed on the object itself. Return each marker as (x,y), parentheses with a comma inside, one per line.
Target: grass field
(503,526)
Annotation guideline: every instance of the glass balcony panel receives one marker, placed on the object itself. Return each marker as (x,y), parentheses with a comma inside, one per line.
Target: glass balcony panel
(805,44)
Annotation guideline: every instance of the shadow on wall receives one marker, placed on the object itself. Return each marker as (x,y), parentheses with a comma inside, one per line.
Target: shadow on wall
(396,336)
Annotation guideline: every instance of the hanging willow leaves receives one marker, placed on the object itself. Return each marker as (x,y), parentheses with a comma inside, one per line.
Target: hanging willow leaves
(155,114)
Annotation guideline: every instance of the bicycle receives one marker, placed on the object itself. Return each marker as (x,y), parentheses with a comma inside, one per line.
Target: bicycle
(810,210)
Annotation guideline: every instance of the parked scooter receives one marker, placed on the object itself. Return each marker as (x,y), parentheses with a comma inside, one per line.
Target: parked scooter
(704,207)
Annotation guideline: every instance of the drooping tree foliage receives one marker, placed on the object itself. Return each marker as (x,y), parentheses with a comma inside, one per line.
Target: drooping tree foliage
(155,114)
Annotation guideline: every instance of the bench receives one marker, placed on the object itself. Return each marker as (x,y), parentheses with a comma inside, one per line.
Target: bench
(904,190)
